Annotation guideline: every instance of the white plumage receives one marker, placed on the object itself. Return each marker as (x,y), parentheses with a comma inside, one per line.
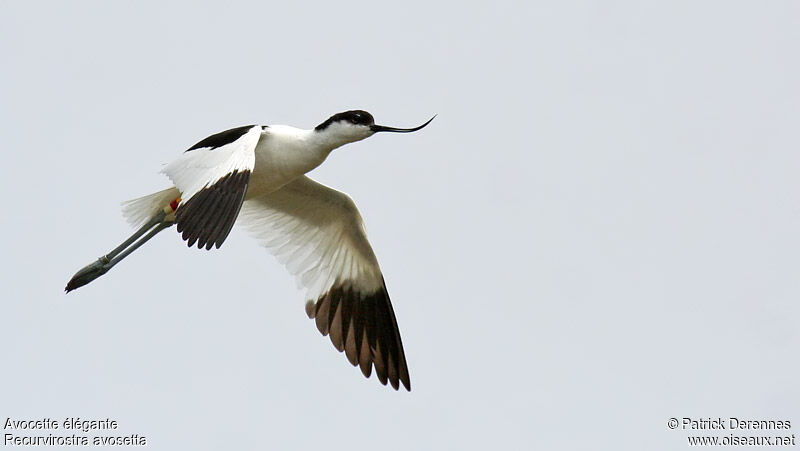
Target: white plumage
(204,166)
(140,210)
(317,233)
(254,175)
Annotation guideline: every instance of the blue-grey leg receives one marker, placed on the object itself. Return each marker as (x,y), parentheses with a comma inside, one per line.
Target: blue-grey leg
(101,266)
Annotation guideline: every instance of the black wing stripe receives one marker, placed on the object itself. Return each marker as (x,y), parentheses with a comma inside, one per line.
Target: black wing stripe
(222,138)
(365,328)
(191,221)
(233,213)
(220,222)
(221,215)
(207,218)
(211,221)
(198,232)
(215,220)
(224,216)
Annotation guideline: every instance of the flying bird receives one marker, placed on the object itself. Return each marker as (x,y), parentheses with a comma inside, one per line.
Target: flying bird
(255,176)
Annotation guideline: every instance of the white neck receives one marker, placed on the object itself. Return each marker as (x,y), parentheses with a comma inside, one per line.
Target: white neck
(286,152)
(338,134)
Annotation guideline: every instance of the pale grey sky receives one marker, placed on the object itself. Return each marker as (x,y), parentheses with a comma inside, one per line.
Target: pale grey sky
(598,232)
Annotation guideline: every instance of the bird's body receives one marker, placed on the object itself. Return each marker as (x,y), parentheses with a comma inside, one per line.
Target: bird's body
(255,176)
(284,153)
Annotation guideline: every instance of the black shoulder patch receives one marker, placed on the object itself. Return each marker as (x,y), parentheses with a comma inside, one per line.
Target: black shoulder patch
(364,327)
(208,216)
(222,138)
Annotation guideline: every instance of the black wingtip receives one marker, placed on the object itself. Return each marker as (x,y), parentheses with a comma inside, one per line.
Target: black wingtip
(208,216)
(363,326)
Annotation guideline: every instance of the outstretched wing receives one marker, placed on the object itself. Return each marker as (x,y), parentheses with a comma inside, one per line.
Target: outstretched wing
(212,177)
(318,234)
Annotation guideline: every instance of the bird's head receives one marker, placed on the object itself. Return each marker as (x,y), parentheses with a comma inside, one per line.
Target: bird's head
(355,125)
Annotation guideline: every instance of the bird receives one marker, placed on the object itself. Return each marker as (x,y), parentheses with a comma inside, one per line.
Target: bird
(255,176)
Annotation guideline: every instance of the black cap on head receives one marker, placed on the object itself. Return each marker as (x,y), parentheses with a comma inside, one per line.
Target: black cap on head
(356,117)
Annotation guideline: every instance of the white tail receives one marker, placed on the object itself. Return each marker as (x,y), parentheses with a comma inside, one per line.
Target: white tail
(138,211)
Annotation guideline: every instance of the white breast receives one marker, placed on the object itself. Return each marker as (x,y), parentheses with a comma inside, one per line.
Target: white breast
(283,154)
